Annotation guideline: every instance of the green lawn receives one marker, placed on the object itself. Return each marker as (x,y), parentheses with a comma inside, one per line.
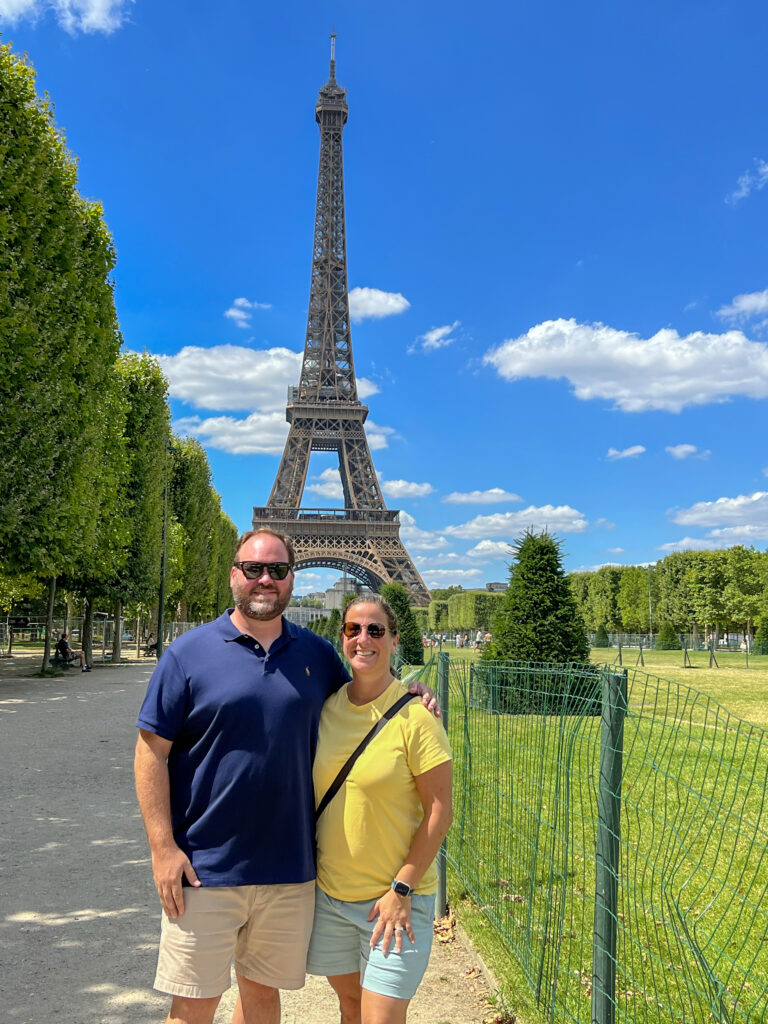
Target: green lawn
(694,846)
(743,691)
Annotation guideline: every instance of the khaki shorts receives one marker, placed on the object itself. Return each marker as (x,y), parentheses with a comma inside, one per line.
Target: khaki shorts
(265,928)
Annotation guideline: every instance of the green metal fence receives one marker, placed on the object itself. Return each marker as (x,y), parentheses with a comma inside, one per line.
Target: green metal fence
(613,827)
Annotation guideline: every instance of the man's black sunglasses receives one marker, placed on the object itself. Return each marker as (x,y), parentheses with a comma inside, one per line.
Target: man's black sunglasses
(255,570)
(352,629)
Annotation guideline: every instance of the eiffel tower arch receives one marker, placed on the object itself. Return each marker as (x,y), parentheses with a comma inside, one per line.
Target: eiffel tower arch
(324,411)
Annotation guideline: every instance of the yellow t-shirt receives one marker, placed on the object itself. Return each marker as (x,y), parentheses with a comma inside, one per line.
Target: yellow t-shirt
(365,832)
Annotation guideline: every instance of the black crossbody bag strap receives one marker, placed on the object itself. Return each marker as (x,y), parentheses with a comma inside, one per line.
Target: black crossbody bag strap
(341,778)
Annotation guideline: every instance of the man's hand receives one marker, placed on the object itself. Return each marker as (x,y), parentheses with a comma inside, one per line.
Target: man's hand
(168,867)
(428,698)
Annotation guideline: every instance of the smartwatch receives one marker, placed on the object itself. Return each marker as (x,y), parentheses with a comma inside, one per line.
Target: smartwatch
(402,888)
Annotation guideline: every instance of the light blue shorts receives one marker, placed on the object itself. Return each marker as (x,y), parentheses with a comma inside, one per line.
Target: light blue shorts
(340,944)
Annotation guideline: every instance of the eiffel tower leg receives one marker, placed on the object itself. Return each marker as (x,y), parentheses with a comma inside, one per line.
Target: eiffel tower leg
(358,477)
(292,474)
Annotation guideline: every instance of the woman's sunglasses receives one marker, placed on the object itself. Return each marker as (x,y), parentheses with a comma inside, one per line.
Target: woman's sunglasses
(353,629)
(255,570)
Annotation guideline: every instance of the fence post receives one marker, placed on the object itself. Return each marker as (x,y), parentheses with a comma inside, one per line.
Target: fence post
(443,671)
(607,857)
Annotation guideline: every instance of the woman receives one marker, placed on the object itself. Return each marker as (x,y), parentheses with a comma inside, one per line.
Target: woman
(378,837)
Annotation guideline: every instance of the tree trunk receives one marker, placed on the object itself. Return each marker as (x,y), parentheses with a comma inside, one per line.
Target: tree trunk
(87,637)
(117,639)
(49,622)
(69,614)
(137,635)
(10,633)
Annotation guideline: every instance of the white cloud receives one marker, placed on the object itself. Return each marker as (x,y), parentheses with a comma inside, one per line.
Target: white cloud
(614,454)
(690,544)
(739,520)
(366,388)
(73,15)
(615,551)
(491,550)
(493,496)
(422,540)
(745,307)
(444,558)
(750,181)
(595,568)
(666,371)
(450,577)
(684,451)
(378,436)
(556,519)
(438,337)
(743,510)
(747,534)
(371,303)
(261,433)
(327,485)
(403,489)
(232,377)
(604,524)
(241,311)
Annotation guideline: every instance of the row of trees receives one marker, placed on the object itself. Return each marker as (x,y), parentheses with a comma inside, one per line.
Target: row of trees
(460,610)
(87,454)
(694,591)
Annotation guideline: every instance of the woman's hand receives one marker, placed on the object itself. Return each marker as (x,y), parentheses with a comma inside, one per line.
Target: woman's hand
(394,917)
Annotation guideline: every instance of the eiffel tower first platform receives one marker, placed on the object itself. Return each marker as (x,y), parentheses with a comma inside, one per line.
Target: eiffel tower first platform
(324,411)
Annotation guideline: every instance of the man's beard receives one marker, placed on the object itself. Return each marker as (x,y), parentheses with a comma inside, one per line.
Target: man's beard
(261,605)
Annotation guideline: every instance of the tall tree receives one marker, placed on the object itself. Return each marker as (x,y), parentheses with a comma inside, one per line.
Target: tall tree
(147,432)
(539,620)
(744,573)
(411,647)
(58,338)
(636,598)
(196,509)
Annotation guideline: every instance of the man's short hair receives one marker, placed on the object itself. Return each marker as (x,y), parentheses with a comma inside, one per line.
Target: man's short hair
(272,533)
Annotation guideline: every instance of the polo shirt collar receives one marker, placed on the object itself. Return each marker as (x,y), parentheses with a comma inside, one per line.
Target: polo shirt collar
(229,630)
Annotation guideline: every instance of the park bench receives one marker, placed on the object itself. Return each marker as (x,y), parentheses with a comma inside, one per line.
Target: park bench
(57,661)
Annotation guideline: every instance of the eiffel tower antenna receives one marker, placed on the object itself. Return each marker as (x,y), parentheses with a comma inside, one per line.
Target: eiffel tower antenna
(324,411)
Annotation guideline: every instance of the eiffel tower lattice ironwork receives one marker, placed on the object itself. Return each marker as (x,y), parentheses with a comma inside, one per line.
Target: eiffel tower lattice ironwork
(324,411)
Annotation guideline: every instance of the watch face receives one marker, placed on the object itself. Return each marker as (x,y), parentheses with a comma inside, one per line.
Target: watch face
(402,889)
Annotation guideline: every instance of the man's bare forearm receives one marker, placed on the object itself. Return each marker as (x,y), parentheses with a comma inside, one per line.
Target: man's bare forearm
(153,789)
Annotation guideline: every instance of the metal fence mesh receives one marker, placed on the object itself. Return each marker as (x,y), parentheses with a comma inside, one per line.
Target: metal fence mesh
(692,912)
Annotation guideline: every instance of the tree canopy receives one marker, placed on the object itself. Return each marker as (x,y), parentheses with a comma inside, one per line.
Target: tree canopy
(538,620)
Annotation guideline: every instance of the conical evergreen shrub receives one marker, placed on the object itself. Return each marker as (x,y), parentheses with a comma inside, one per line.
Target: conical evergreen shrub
(601,637)
(668,640)
(539,619)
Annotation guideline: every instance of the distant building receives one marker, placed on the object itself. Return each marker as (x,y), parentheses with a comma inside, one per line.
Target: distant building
(334,596)
(496,588)
(303,616)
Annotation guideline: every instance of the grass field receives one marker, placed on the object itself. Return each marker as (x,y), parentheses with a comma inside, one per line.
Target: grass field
(743,691)
(694,875)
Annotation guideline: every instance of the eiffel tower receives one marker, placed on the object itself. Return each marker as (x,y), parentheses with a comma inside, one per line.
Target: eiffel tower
(324,411)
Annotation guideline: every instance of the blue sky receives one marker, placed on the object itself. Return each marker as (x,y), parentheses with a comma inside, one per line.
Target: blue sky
(557,217)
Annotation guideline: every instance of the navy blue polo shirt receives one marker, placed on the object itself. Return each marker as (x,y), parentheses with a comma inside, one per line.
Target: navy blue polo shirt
(243,723)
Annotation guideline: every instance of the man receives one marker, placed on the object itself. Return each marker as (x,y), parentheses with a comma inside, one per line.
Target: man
(228,731)
(65,652)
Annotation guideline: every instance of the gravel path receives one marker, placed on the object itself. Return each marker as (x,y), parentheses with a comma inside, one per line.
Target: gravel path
(80,921)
